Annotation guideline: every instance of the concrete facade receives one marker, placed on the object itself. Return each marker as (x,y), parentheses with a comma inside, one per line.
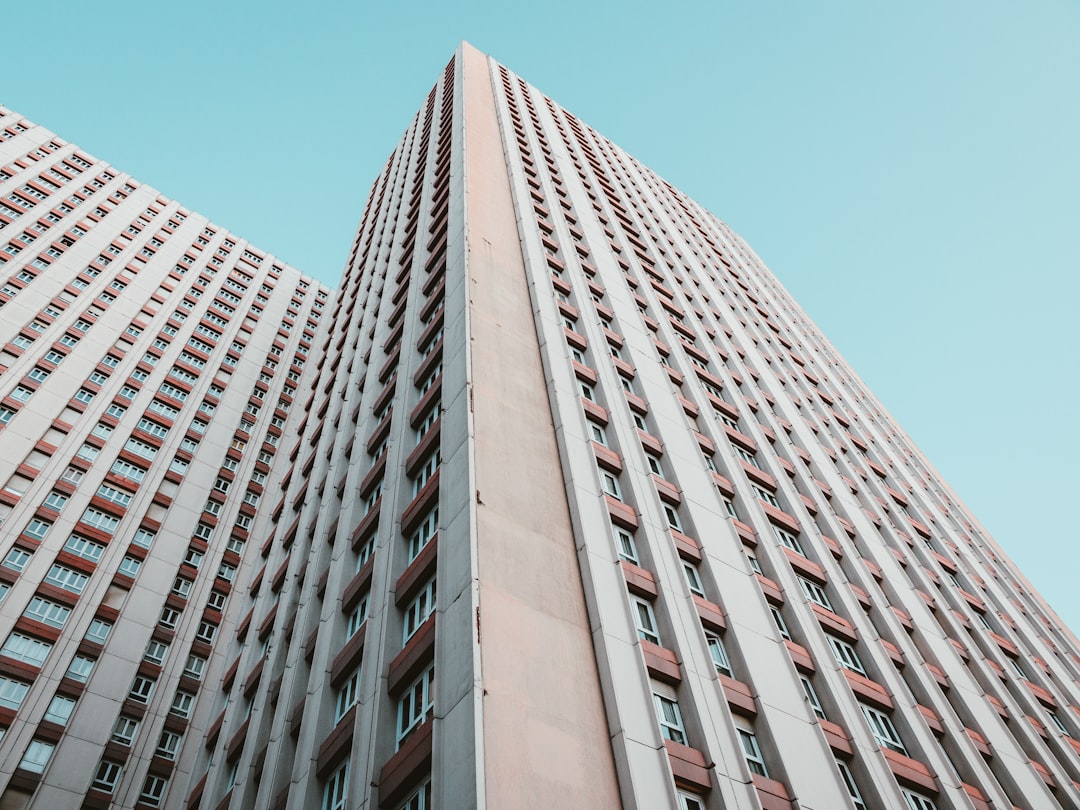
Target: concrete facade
(561,502)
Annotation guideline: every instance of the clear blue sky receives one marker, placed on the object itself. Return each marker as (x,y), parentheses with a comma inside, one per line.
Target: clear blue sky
(910,172)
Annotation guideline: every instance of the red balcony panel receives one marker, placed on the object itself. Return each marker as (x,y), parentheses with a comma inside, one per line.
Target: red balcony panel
(921,528)
(780,518)
(910,771)
(999,707)
(834,623)
(650,442)
(745,532)
(904,618)
(621,514)
(638,580)
(837,738)
(931,718)
(711,614)
(412,660)
(688,547)
(348,658)
(861,595)
(661,663)
(869,690)
(421,503)
(800,656)
(979,741)
(808,568)
(976,797)
(688,766)
(770,589)
(759,477)
(1007,646)
(667,491)
(894,652)
(724,485)
(1044,774)
(772,794)
(607,458)
(597,413)
(404,768)
(809,503)
(939,675)
(417,573)
(739,696)
(874,569)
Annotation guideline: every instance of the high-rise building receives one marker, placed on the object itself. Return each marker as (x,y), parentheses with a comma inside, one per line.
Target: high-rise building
(562,503)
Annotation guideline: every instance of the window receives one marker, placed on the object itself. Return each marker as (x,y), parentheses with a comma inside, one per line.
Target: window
(195,667)
(672,518)
(182,587)
(598,434)
(153,791)
(788,539)
(845,655)
(207,631)
(56,500)
(156,652)
(12,692)
(336,791)
(420,800)
(107,777)
(781,625)
(169,617)
(1058,724)
(419,610)
(87,549)
(670,719)
(37,756)
(688,801)
(654,465)
(346,695)
(169,745)
(182,703)
(815,593)
(46,612)
(752,751)
(143,538)
(100,520)
(129,566)
(1019,670)
(125,730)
(881,726)
(37,529)
(767,496)
(916,801)
(416,705)
(849,782)
(423,535)
(17,559)
(66,578)
(114,495)
(80,668)
(141,689)
(357,617)
(718,654)
(426,472)
(60,709)
(624,542)
(811,696)
(644,620)
(693,579)
(610,484)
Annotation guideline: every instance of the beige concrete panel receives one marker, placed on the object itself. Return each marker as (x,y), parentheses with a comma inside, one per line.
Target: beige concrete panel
(540,589)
